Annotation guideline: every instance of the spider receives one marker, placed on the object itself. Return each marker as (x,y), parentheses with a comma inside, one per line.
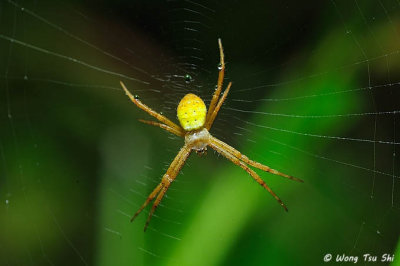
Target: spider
(196,122)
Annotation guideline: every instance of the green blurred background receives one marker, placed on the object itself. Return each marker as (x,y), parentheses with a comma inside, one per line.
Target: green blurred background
(311,83)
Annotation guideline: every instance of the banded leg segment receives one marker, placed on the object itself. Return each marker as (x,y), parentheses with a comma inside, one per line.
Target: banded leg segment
(244,158)
(221,74)
(159,192)
(211,119)
(253,174)
(163,126)
(148,200)
(150,111)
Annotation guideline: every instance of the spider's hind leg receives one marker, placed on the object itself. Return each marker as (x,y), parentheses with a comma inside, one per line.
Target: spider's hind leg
(159,192)
(156,203)
(245,159)
(148,200)
(253,174)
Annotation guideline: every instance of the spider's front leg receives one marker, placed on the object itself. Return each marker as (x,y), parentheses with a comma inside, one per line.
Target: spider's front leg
(173,170)
(163,126)
(210,120)
(165,122)
(221,74)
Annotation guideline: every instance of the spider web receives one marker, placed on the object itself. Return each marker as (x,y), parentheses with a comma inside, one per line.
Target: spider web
(315,94)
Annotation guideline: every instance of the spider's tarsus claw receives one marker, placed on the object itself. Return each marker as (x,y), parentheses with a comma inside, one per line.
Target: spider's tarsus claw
(282,204)
(136,214)
(124,88)
(285,175)
(133,217)
(122,85)
(145,227)
(297,179)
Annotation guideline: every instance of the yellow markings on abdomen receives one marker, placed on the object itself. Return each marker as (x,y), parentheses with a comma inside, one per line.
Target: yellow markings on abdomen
(191,112)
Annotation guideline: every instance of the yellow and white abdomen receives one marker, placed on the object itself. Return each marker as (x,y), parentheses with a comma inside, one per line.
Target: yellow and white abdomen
(191,112)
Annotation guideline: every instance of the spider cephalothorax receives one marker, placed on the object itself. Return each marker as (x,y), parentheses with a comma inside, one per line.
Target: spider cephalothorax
(198,140)
(196,122)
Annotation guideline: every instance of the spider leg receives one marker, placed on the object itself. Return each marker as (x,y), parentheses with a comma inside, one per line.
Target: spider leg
(155,205)
(221,74)
(148,200)
(211,119)
(253,174)
(166,181)
(150,111)
(244,158)
(163,126)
